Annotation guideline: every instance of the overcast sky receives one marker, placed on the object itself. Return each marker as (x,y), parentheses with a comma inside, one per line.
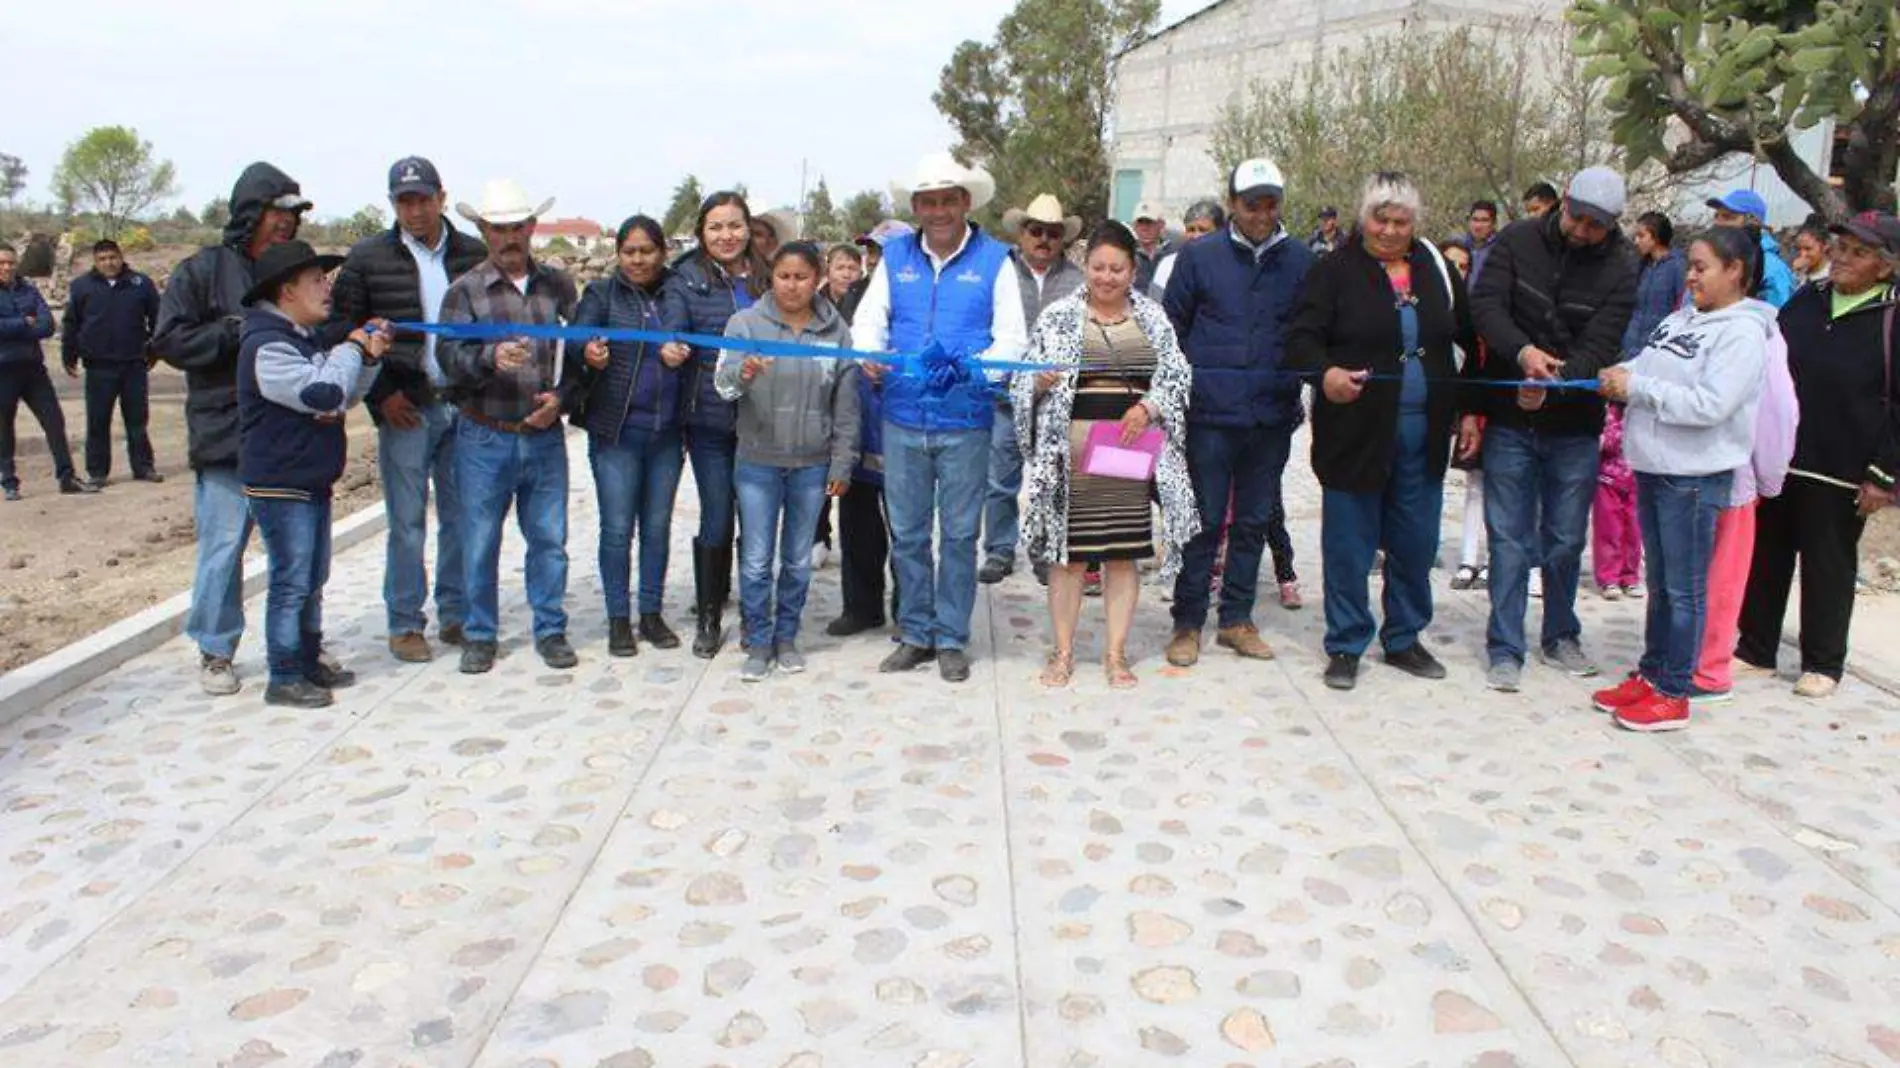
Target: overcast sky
(602,104)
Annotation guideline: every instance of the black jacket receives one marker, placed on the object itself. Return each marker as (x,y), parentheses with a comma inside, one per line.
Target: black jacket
(1573,303)
(201,314)
(378,281)
(1348,318)
(1849,402)
(108,321)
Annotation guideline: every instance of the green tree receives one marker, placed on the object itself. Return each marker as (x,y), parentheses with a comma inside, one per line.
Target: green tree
(822,222)
(217,212)
(112,172)
(684,207)
(1745,76)
(861,212)
(1032,106)
(368,221)
(12,178)
(1465,113)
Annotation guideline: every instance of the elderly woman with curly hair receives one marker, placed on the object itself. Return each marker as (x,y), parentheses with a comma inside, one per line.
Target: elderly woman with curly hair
(1096,435)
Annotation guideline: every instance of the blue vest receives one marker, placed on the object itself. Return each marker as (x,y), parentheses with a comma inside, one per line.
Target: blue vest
(280,448)
(955,310)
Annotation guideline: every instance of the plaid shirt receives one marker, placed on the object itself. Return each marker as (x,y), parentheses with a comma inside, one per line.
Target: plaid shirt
(485,295)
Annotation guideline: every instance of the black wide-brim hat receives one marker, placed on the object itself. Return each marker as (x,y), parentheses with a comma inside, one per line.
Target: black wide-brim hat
(281,262)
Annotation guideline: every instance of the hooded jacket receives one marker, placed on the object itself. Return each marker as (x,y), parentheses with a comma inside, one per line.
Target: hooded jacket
(201,316)
(1695,390)
(801,412)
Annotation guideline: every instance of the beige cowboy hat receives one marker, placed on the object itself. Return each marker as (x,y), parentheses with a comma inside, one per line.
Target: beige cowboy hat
(1045,209)
(504,203)
(784,223)
(940,170)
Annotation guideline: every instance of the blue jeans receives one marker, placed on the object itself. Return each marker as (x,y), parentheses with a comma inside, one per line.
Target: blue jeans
(223,518)
(1677,514)
(1246,463)
(713,454)
(935,479)
(297,539)
(1526,473)
(1403,520)
(635,480)
(778,511)
(529,471)
(1002,522)
(409,459)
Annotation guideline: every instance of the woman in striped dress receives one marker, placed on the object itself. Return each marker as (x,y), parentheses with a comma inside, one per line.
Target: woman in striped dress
(1121,366)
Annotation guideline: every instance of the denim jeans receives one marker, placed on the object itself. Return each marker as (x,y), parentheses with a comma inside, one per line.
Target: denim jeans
(297,539)
(409,459)
(1677,514)
(778,511)
(713,455)
(126,384)
(223,518)
(1244,464)
(935,479)
(635,480)
(1403,520)
(1525,474)
(529,471)
(1002,519)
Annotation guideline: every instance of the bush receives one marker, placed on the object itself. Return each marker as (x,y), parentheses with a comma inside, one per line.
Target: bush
(137,239)
(560,246)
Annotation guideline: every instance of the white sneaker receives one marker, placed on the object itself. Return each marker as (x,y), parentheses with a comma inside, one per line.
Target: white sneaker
(820,556)
(216,676)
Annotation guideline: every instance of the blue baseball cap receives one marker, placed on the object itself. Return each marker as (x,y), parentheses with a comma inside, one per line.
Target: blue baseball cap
(413,174)
(1741,202)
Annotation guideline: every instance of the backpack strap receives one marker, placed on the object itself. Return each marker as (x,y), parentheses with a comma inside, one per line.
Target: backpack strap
(1458,356)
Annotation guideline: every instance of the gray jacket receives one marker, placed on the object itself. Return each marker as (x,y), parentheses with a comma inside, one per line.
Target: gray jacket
(801,412)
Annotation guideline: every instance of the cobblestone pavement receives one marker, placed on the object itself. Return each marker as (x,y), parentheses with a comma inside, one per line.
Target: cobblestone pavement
(648,863)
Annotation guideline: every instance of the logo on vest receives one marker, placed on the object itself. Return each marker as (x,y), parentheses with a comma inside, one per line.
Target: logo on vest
(971,276)
(909,276)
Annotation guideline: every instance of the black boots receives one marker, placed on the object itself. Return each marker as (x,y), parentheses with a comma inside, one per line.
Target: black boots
(620,640)
(712,582)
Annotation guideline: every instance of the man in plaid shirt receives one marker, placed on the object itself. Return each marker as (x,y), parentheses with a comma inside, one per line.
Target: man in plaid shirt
(508,443)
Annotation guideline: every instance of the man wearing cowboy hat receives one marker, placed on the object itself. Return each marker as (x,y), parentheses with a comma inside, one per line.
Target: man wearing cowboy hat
(291,398)
(200,318)
(508,442)
(1045,276)
(947,291)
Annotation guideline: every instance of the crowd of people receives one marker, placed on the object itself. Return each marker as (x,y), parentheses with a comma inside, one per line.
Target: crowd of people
(1089,408)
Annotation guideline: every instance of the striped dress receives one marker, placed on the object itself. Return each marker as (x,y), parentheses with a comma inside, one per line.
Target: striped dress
(1109,518)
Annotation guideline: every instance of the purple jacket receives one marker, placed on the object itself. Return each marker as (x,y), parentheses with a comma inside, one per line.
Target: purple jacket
(1775,425)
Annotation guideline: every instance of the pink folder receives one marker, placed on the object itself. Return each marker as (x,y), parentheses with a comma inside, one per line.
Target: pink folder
(1104,455)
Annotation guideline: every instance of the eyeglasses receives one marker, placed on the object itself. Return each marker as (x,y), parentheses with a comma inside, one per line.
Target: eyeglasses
(1047,233)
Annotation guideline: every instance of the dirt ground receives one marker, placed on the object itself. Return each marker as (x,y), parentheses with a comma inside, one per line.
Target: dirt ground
(73,565)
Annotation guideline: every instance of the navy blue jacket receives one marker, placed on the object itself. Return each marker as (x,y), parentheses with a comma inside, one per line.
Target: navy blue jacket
(108,321)
(19,340)
(710,298)
(1231,310)
(636,388)
(284,453)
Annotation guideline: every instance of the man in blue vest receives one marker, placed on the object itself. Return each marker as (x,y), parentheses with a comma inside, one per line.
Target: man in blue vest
(948,288)
(1230,297)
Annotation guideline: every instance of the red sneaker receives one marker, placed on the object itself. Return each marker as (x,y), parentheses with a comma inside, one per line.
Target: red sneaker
(1658,713)
(1631,691)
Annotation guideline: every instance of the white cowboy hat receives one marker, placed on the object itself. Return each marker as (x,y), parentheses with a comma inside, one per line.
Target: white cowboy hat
(504,203)
(784,223)
(1044,209)
(940,170)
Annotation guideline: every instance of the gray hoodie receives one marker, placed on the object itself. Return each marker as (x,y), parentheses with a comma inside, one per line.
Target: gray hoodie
(1695,390)
(801,412)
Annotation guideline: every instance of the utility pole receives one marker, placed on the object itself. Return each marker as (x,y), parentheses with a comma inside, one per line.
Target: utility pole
(803,168)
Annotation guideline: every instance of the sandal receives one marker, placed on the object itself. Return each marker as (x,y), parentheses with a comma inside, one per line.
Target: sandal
(1059,669)
(1119,677)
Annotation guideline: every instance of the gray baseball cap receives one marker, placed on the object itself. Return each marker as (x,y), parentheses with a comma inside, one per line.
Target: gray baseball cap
(1599,193)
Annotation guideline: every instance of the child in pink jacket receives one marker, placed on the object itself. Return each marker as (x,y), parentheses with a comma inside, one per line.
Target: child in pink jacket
(1616,540)
(1775,426)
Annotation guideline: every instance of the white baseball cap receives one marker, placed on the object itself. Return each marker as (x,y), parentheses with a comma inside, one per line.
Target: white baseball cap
(1147,210)
(1257,177)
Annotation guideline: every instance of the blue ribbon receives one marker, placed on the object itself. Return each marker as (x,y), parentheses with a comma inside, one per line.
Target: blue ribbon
(941,368)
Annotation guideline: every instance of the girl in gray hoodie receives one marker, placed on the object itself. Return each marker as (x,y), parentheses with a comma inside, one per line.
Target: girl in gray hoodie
(798,441)
(1692,395)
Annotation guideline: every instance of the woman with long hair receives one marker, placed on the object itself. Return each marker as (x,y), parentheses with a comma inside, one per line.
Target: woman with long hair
(717,280)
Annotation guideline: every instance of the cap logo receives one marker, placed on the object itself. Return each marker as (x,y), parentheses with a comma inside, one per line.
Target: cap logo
(410,174)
